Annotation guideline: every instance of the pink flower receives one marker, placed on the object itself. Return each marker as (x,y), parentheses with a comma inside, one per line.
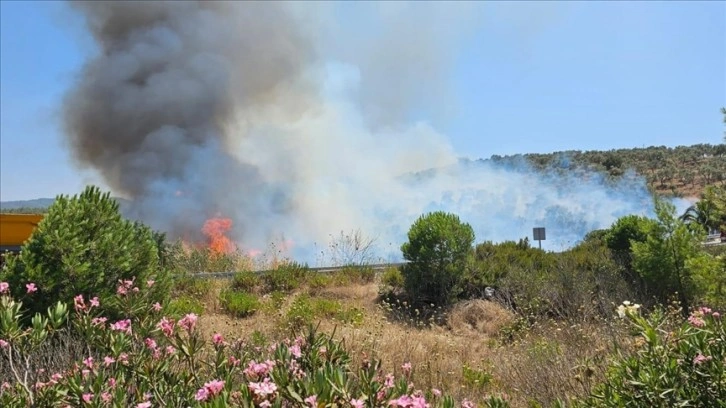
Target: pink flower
(312,401)
(716,315)
(295,351)
(98,321)
(123,358)
(436,392)
(106,397)
(156,307)
(214,387)
(418,401)
(467,404)
(704,310)
(188,322)
(107,361)
(700,358)
(263,389)
(166,326)
(95,302)
(79,304)
(389,381)
(202,394)
(4,344)
(403,401)
(217,339)
(30,287)
(406,367)
(150,343)
(145,404)
(265,404)
(112,383)
(258,369)
(122,326)
(4,287)
(170,350)
(87,397)
(356,403)
(696,321)
(234,362)
(88,362)
(150,283)
(124,286)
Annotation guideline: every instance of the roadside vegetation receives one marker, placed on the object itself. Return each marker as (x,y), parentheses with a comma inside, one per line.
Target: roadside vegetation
(100,311)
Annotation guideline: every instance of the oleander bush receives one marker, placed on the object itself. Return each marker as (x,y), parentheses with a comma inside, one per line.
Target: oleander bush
(155,360)
(677,364)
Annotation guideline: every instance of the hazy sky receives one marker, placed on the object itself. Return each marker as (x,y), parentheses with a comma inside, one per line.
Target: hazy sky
(530,77)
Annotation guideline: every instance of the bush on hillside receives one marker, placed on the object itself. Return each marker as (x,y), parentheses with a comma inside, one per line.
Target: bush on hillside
(437,250)
(83,246)
(286,277)
(492,263)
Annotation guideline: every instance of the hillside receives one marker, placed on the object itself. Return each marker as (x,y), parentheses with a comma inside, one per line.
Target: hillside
(40,205)
(683,171)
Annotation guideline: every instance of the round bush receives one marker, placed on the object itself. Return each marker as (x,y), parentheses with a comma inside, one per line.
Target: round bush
(437,250)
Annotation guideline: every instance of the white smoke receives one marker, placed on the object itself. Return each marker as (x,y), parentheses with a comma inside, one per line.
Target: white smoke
(297,128)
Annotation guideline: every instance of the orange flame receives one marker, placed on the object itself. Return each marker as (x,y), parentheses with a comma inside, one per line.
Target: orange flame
(215,229)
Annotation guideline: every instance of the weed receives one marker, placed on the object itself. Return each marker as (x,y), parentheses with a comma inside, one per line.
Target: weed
(239,304)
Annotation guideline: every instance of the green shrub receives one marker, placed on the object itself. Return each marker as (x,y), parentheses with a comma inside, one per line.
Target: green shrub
(491,264)
(318,281)
(246,281)
(476,378)
(305,310)
(286,277)
(185,259)
(437,250)
(83,246)
(191,286)
(180,306)
(360,274)
(239,304)
(393,278)
(685,367)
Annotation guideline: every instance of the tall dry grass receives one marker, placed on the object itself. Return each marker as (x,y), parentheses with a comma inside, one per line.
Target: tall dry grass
(466,355)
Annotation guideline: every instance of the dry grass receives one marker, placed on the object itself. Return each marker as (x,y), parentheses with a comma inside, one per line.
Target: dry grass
(473,318)
(463,357)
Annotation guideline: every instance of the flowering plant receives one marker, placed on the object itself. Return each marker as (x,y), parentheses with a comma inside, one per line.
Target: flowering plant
(680,366)
(150,359)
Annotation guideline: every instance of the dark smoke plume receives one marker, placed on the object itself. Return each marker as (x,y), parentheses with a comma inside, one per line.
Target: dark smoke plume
(152,111)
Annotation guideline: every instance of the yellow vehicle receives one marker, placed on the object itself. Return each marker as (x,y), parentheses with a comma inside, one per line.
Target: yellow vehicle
(15,229)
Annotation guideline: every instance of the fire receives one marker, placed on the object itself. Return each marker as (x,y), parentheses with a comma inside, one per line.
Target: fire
(215,229)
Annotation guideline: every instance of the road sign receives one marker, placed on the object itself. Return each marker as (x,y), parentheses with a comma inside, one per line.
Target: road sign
(539,235)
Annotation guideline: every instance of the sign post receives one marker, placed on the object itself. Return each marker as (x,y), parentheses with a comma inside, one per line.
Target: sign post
(539,235)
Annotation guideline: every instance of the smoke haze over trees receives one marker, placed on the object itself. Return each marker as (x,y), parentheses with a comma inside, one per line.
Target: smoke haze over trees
(297,128)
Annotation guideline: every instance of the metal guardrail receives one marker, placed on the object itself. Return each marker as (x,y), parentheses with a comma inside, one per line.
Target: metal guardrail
(324,269)
(714,239)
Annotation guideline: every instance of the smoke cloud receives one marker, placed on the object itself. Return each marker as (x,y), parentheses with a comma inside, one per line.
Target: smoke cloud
(297,128)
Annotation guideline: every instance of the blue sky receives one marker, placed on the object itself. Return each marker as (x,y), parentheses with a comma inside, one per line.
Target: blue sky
(566,75)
